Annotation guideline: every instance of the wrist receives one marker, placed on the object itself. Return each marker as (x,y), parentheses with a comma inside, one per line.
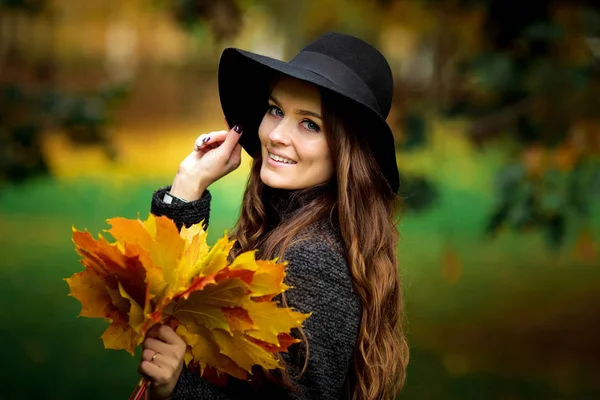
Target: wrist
(187,189)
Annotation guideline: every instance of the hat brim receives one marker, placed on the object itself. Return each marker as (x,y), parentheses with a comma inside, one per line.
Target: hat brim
(244,80)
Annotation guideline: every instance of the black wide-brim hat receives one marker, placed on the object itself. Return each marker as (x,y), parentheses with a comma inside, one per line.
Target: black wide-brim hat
(340,63)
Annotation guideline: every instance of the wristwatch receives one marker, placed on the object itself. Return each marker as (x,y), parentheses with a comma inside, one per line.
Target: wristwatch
(168,198)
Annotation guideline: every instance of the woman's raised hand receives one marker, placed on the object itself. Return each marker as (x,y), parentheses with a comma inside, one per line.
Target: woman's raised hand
(215,155)
(162,360)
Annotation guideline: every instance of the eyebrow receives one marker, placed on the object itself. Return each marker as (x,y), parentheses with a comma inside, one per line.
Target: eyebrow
(299,112)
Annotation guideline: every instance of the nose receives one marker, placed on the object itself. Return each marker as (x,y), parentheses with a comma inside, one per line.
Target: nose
(280,133)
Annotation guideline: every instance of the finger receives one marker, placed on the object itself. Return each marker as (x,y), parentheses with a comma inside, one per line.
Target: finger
(165,333)
(168,335)
(154,372)
(149,355)
(202,141)
(159,346)
(159,359)
(236,156)
(209,147)
(232,139)
(209,139)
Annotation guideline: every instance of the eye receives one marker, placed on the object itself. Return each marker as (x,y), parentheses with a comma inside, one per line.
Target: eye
(275,111)
(310,125)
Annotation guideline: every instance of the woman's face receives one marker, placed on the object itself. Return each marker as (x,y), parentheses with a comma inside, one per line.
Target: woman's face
(294,149)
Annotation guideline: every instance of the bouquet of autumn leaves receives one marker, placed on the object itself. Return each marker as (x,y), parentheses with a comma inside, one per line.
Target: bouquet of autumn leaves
(154,273)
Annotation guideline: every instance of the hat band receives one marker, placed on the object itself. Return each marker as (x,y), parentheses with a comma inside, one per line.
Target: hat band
(338,73)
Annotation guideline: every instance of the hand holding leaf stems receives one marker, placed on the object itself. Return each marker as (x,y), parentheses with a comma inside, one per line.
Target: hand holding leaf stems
(162,360)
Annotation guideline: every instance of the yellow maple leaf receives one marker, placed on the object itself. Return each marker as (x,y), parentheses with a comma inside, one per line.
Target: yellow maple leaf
(193,257)
(89,287)
(167,247)
(205,306)
(120,335)
(216,260)
(268,279)
(244,352)
(134,240)
(245,261)
(238,319)
(271,320)
(157,242)
(204,350)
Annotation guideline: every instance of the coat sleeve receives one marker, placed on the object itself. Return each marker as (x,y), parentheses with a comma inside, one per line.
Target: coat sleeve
(180,212)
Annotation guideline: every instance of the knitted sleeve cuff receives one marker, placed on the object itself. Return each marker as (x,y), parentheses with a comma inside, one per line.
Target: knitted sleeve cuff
(181,212)
(191,386)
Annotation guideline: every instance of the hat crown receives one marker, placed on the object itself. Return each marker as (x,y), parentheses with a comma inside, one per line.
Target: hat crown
(363,59)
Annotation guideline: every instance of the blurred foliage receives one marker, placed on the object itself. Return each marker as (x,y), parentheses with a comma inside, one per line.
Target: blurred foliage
(530,83)
(27,115)
(415,132)
(540,84)
(526,201)
(29,6)
(418,192)
(223,17)
(29,111)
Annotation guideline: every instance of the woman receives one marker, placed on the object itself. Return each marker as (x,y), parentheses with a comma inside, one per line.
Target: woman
(322,196)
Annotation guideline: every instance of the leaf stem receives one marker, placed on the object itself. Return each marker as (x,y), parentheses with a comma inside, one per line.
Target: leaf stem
(140,390)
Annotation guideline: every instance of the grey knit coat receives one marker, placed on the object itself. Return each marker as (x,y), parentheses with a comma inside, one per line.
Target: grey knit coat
(320,284)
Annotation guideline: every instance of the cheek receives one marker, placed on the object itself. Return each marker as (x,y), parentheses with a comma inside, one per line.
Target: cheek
(327,161)
(264,129)
(321,154)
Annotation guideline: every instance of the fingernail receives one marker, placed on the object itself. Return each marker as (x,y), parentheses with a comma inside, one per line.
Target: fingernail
(238,128)
(206,139)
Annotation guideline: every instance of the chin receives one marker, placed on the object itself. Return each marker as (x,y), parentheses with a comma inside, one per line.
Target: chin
(276,182)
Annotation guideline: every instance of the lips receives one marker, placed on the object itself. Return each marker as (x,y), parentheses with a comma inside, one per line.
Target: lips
(281,159)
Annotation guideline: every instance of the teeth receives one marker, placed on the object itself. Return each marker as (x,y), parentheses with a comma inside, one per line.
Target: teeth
(281,159)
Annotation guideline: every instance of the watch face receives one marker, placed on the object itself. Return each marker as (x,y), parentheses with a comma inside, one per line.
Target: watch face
(167,198)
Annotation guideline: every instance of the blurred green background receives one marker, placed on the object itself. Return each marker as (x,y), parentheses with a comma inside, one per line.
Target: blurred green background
(496,115)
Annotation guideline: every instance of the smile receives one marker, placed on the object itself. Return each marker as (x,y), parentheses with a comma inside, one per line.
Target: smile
(281,159)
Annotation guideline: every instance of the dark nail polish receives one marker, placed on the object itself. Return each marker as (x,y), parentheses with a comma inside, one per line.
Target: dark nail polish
(238,128)
(206,139)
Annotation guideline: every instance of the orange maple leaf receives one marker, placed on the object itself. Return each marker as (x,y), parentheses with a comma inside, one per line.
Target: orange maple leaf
(154,273)
(113,286)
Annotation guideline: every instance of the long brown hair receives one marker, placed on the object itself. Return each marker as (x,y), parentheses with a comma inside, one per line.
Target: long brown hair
(365,209)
